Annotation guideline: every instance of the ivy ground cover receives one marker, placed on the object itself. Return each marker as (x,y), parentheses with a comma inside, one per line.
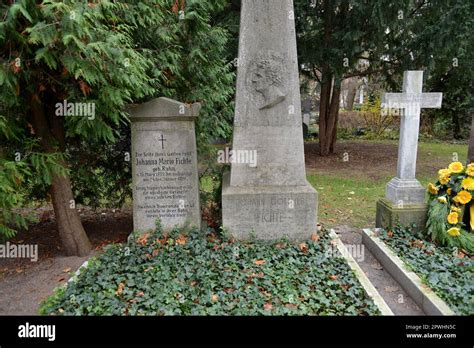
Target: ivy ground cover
(446,270)
(203,274)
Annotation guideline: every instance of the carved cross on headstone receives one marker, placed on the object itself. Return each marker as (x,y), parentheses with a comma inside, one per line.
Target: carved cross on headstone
(411,101)
(162,139)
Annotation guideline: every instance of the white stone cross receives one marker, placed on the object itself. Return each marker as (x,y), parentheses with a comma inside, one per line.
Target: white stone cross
(411,101)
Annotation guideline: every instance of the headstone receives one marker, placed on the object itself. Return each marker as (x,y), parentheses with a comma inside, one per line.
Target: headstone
(164,165)
(470,153)
(404,195)
(270,197)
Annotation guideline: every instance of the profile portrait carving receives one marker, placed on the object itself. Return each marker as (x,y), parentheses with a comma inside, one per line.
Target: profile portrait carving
(265,79)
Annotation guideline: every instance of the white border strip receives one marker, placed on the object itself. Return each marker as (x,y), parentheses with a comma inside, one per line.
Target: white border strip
(369,289)
(423,296)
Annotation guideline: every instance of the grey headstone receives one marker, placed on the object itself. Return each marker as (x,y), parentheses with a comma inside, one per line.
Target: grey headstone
(164,165)
(272,198)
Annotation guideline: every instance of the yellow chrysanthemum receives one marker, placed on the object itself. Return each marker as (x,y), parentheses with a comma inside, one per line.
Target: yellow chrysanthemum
(463,197)
(449,191)
(444,172)
(442,200)
(456,167)
(455,209)
(444,175)
(453,218)
(470,169)
(454,231)
(432,189)
(468,184)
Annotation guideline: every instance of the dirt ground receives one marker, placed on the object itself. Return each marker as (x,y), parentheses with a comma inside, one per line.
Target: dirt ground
(367,158)
(25,284)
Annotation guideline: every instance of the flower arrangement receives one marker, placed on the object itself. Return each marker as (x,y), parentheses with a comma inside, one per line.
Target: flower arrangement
(451,207)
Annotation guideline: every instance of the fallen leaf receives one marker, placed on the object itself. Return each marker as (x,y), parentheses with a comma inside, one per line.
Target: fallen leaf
(181,240)
(260,262)
(141,294)
(120,289)
(376,265)
(303,247)
(67,270)
(143,239)
(390,234)
(268,306)
(333,277)
(315,237)
(291,306)
(214,298)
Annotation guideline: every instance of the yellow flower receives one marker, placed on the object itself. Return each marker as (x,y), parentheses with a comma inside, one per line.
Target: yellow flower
(470,169)
(453,218)
(444,175)
(456,167)
(444,172)
(432,189)
(449,191)
(468,184)
(454,231)
(455,209)
(442,200)
(463,197)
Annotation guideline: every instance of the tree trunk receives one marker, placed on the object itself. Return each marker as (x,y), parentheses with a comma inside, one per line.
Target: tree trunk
(352,86)
(328,116)
(456,126)
(71,232)
(470,154)
(330,92)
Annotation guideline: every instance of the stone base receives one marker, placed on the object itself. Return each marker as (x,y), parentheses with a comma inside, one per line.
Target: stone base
(269,212)
(405,192)
(389,215)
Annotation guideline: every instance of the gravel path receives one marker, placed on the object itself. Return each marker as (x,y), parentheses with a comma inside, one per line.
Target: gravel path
(393,294)
(22,293)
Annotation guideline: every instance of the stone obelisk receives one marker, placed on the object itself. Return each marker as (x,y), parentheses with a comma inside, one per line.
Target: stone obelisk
(270,198)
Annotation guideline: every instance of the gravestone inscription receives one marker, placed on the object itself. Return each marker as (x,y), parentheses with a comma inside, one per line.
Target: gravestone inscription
(164,165)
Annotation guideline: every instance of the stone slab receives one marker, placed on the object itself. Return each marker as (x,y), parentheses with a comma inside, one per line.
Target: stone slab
(164,165)
(389,215)
(269,212)
(405,191)
(369,289)
(423,296)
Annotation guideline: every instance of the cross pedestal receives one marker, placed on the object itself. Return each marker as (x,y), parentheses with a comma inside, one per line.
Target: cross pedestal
(404,201)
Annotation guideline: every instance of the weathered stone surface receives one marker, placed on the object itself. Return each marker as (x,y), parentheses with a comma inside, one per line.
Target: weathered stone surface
(268,121)
(389,215)
(164,165)
(405,187)
(269,212)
